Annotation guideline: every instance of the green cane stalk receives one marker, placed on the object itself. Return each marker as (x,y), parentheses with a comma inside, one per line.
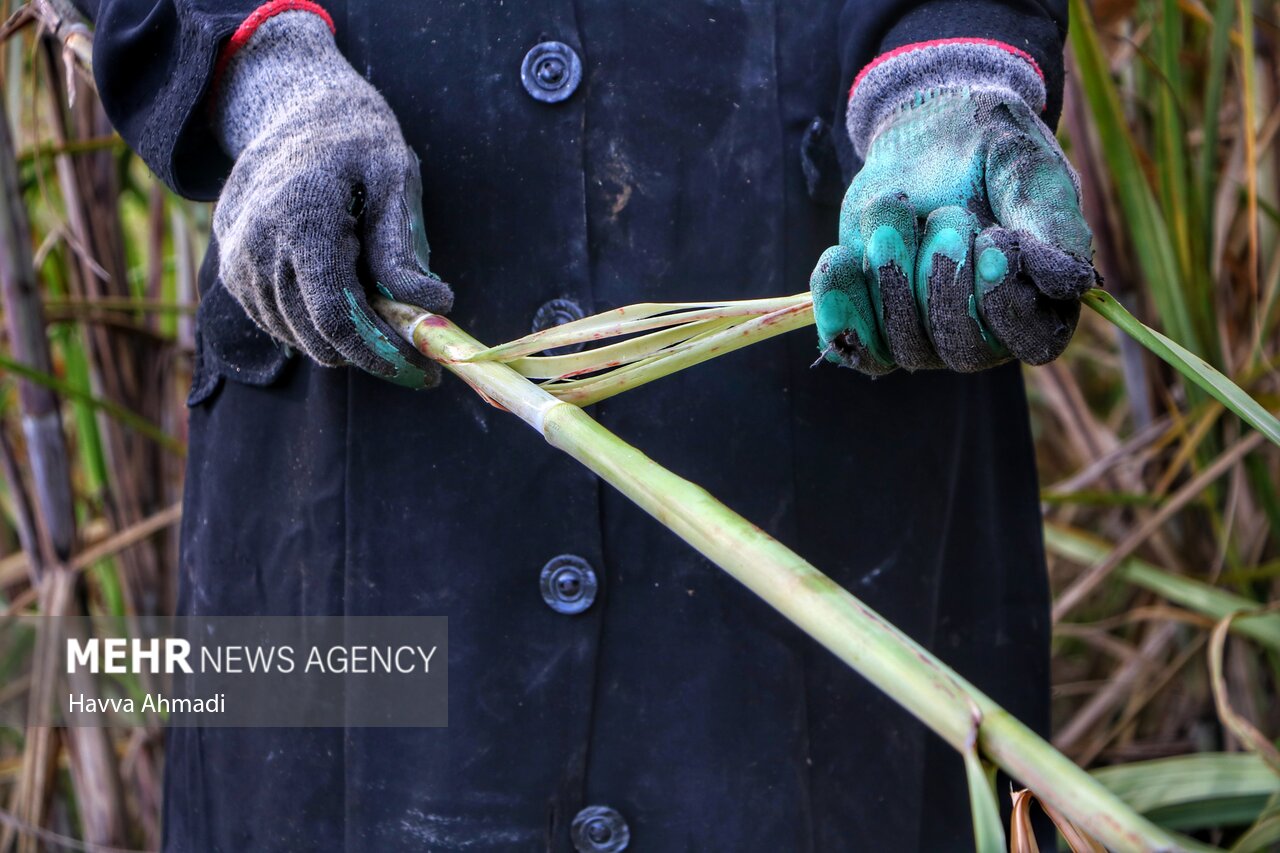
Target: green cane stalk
(691,333)
(932,692)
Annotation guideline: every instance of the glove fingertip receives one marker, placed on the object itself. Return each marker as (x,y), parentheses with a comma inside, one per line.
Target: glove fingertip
(1013,312)
(847,333)
(423,290)
(1056,273)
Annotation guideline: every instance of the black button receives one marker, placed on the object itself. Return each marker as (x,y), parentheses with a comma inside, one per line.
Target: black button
(599,829)
(551,71)
(557,312)
(568,584)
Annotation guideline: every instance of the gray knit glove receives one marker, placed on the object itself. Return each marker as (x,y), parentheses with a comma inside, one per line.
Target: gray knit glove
(324,194)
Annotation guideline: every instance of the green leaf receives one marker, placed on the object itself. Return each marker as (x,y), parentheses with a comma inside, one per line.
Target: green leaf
(1188,364)
(1086,497)
(1147,233)
(988,830)
(1192,594)
(1195,791)
(130,419)
(1170,132)
(1219,53)
(93,462)
(1265,831)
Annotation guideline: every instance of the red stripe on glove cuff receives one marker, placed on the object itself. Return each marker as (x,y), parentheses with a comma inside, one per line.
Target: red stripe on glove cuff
(257,18)
(908,48)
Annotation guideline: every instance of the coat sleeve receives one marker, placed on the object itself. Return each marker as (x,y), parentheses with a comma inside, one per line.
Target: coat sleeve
(870,28)
(153,61)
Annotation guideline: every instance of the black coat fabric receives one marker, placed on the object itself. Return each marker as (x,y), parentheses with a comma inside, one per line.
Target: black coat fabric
(696,160)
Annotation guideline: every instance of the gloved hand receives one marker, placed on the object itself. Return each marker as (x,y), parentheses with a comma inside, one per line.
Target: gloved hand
(324,190)
(962,244)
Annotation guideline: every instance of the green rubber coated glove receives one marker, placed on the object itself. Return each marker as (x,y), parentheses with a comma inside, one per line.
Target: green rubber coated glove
(962,244)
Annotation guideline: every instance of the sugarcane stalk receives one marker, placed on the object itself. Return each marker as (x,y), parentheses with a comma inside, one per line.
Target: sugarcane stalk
(583,392)
(92,759)
(679,335)
(24,314)
(750,321)
(896,664)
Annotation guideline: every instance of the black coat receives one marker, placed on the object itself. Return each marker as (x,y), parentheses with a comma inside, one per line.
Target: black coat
(695,160)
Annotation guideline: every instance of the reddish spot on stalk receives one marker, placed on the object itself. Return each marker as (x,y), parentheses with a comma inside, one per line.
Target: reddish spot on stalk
(593,369)
(488,399)
(771,319)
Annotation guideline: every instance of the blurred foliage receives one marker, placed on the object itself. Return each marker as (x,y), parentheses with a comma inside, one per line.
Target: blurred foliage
(1162,508)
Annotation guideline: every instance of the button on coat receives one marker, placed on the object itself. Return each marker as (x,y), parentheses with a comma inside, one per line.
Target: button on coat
(568,584)
(599,829)
(551,71)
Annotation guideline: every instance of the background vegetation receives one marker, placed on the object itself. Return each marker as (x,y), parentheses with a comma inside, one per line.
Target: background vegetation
(1162,509)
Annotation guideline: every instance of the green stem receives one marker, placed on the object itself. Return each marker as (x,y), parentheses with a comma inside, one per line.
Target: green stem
(756,320)
(1194,595)
(855,633)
